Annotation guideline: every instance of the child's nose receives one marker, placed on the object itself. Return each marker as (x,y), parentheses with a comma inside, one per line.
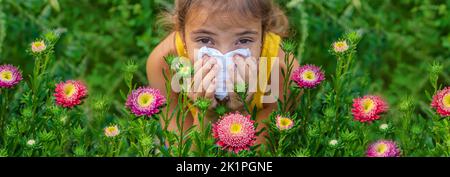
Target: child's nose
(224,50)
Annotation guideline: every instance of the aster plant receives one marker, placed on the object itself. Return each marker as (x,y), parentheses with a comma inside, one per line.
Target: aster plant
(308,76)
(344,49)
(383,148)
(70,93)
(111,131)
(42,52)
(10,76)
(234,132)
(368,108)
(201,136)
(441,102)
(282,131)
(145,101)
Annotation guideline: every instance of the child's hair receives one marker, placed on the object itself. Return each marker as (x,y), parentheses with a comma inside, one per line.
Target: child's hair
(272,17)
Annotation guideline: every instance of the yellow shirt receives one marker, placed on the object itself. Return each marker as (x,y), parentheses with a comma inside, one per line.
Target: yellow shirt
(269,53)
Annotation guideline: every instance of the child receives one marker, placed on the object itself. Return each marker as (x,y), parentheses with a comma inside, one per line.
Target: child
(223,25)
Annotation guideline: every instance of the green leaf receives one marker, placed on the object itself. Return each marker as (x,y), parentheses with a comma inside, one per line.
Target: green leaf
(55,5)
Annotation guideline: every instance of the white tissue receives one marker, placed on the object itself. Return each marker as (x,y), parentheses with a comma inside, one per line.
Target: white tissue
(223,60)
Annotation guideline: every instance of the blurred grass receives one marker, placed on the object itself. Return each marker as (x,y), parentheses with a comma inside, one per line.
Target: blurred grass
(400,38)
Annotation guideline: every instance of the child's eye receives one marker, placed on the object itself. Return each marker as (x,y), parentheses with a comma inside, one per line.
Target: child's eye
(205,41)
(244,41)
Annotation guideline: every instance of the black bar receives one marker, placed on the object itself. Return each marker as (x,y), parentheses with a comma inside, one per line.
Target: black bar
(220,166)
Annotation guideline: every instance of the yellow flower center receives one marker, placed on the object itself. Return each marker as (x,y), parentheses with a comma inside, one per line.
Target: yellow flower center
(381,148)
(6,75)
(145,99)
(69,90)
(235,128)
(368,105)
(446,100)
(285,122)
(341,44)
(111,129)
(38,44)
(309,76)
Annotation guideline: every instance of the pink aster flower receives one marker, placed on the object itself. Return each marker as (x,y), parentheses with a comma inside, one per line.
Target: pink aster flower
(9,76)
(112,131)
(308,76)
(70,93)
(368,108)
(145,101)
(383,148)
(235,132)
(441,102)
(284,123)
(340,46)
(38,46)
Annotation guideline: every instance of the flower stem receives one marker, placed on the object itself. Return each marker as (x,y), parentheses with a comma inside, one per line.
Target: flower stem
(280,145)
(309,106)
(337,89)
(3,117)
(287,81)
(183,104)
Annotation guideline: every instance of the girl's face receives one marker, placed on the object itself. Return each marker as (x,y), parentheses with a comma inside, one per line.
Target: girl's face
(222,32)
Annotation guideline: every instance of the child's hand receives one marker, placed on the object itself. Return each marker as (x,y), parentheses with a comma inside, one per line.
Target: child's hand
(204,83)
(241,72)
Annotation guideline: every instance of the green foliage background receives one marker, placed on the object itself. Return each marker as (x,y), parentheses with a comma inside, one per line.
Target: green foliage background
(400,37)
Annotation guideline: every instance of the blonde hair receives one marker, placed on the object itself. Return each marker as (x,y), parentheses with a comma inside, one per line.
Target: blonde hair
(272,17)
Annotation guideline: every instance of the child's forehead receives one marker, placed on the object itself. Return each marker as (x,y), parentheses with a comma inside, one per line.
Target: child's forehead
(221,20)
